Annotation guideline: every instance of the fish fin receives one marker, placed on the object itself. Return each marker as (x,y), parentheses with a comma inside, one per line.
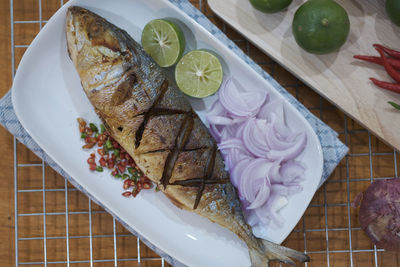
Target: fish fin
(257,259)
(274,252)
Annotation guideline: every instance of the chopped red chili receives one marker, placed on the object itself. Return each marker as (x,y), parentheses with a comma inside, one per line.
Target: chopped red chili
(102,162)
(147,185)
(127,194)
(121,168)
(92,167)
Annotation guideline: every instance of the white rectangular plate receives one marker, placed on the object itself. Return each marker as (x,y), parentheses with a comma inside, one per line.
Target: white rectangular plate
(47,98)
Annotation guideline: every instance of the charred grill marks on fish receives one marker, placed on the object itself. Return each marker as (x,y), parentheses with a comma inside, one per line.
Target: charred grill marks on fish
(184,131)
(207,176)
(150,112)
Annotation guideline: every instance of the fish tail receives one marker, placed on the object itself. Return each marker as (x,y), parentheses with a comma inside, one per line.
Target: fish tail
(274,252)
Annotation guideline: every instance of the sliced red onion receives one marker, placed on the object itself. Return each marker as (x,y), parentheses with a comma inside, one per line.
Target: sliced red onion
(277,203)
(273,107)
(282,131)
(233,156)
(274,142)
(237,105)
(261,196)
(216,110)
(225,134)
(215,132)
(223,120)
(219,120)
(239,130)
(290,171)
(252,218)
(290,153)
(269,210)
(258,149)
(255,99)
(233,151)
(254,178)
(229,96)
(230,131)
(274,174)
(284,190)
(237,171)
(232,143)
(253,137)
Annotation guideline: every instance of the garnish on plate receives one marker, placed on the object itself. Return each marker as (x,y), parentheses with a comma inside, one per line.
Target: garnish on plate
(259,150)
(164,41)
(199,73)
(112,157)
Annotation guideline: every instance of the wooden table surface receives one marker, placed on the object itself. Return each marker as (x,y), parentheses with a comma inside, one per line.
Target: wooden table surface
(329,231)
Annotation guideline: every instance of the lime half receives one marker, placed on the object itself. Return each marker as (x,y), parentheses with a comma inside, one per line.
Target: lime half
(199,74)
(164,41)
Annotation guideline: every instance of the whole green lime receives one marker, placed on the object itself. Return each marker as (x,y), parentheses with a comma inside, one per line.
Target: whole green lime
(393,10)
(321,26)
(270,6)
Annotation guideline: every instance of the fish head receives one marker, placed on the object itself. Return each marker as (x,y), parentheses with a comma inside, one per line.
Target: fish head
(98,51)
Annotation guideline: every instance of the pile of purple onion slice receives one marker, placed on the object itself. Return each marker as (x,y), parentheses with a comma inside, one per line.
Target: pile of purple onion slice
(259,150)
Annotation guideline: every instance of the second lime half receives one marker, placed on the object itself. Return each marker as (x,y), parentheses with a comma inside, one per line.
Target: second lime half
(199,74)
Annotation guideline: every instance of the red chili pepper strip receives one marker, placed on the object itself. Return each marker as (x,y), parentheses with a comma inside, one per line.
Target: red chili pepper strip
(372,59)
(394,62)
(389,68)
(394,87)
(390,52)
(127,194)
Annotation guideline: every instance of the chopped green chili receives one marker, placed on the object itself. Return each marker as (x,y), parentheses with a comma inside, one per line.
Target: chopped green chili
(93,127)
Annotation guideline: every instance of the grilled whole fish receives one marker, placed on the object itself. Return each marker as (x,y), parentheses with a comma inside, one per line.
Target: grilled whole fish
(153,121)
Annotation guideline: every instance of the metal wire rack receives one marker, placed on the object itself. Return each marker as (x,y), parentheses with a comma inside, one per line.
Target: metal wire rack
(328,231)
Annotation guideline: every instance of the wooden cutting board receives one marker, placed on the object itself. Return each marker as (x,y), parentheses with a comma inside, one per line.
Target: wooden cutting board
(336,76)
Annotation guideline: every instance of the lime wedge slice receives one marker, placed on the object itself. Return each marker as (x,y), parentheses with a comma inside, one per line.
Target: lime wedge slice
(199,74)
(164,41)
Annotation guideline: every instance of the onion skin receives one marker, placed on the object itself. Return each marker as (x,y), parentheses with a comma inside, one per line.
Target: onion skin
(380,213)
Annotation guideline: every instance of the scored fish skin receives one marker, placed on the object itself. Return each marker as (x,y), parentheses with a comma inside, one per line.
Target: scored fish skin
(153,121)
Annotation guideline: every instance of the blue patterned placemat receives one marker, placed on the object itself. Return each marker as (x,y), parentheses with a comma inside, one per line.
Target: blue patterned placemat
(333,149)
